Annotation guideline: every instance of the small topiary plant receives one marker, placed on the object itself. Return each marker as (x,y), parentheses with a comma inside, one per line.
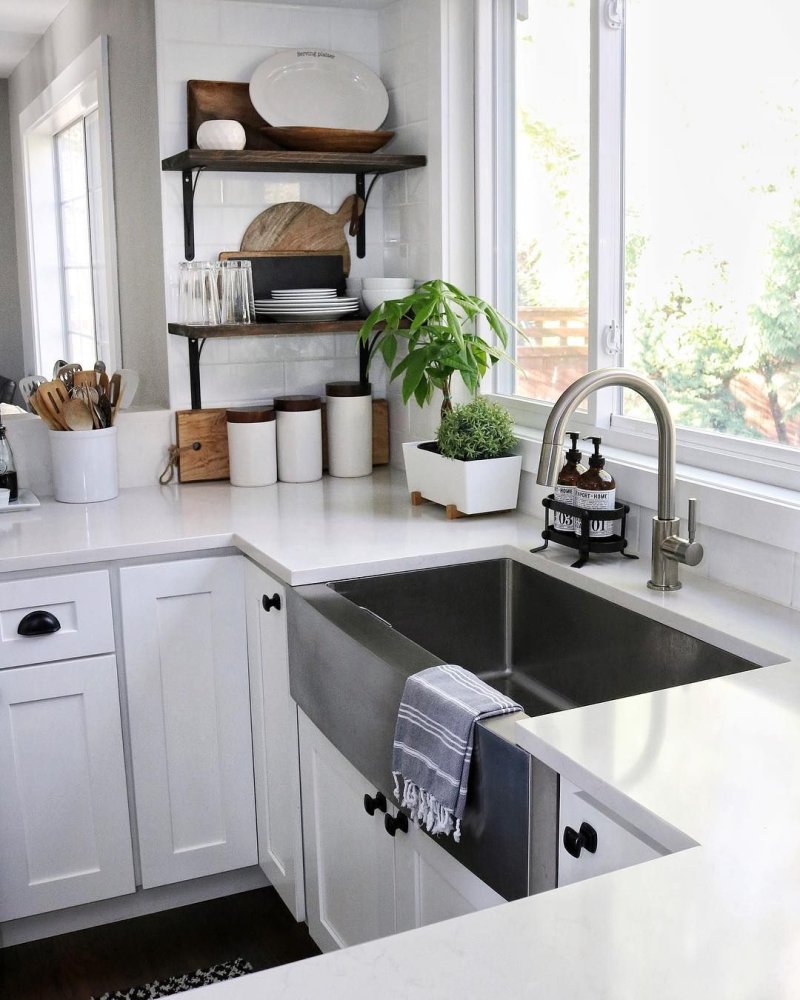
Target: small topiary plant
(476,430)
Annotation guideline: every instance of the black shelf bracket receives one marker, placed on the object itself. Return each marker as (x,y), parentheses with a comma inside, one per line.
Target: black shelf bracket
(189,184)
(361,221)
(195,349)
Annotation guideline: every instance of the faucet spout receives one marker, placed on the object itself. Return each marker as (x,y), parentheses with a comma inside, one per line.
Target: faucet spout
(665,554)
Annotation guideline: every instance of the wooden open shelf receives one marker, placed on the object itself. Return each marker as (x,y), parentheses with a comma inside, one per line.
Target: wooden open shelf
(282,160)
(264,329)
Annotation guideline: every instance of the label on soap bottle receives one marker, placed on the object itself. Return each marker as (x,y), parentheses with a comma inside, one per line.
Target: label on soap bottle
(564,494)
(596,500)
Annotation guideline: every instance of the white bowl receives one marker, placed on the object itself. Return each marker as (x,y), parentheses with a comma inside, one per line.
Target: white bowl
(220,133)
(372,283)
(374,297)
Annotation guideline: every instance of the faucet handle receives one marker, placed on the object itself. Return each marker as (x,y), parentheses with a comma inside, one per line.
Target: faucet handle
(692,518)
(685,550)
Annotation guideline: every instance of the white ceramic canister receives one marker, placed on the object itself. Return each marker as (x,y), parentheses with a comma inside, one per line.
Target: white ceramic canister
(84,465)
(252,449)
(348,411)
(299,434)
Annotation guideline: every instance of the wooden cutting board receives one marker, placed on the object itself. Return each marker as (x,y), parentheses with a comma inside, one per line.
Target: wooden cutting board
(202,439)
(298,225)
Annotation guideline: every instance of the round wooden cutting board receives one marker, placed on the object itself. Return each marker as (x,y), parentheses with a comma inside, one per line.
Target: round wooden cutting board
(299,226)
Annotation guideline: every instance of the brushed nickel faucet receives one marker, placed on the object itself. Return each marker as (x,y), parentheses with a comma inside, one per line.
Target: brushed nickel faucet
(668,548)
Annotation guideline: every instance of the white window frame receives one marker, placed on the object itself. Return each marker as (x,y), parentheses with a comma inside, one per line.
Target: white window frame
(80,89)
(761,462)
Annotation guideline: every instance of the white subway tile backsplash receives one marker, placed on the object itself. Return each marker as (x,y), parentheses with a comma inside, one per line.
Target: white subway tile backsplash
(244,383)
(311,376)
(354,31)
(276,25)
(189,20)
(226,40)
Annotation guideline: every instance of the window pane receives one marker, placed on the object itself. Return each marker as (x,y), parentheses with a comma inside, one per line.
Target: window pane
(76,244)
(713,212)
(552,196)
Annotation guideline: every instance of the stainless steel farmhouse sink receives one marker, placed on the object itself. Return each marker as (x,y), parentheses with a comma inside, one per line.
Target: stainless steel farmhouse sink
(549,645)
(544,643)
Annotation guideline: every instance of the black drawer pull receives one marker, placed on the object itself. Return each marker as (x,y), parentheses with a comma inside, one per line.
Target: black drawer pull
(371,803)
(394,823)
(38,623)
(271,602)
(576,840)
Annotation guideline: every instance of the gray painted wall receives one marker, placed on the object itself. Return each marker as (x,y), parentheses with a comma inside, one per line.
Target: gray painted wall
(11,358)
(130,27)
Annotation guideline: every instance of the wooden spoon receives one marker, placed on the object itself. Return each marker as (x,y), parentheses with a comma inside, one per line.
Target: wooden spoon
(77,415)
(53,395)
(39,408)
(114,394)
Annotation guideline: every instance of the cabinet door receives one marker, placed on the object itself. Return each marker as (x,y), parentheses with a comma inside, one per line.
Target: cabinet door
(65,834)
(275,749)
(349,859)
(617,844)
(185,644)
(430,885)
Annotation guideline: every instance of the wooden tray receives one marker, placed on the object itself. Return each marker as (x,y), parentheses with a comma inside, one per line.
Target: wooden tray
(327,140)
(210,100)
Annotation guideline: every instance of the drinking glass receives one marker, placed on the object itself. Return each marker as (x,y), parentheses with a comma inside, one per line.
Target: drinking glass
(198,293)
(237,302)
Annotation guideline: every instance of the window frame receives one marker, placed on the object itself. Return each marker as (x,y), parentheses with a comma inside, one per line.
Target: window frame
(81,89)
(763,462)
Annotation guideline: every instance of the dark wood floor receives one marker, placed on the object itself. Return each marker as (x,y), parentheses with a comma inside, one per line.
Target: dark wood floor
(254,925)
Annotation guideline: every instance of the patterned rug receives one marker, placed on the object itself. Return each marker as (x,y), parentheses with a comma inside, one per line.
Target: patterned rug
(177,984)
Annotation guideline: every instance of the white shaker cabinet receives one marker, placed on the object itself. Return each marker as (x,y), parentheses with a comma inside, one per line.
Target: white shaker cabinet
(362,883)
(65,834)
(349,858)
(594,840)
(185,647)
(275,744)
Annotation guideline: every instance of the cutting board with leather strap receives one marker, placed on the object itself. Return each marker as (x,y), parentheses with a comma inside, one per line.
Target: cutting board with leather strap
(202,439)
(297,225)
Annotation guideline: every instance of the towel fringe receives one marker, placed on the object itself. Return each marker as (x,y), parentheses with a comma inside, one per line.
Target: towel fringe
(426,810)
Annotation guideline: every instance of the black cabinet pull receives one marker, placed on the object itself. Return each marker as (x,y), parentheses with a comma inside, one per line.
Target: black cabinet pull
(394,823)
(576,840)
(271,602)
(371,803)
(38,623)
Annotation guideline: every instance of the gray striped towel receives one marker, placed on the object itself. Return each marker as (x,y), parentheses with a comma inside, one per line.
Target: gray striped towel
(433,743)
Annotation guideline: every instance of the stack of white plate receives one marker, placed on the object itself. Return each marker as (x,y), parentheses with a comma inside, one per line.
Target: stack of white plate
(305,305)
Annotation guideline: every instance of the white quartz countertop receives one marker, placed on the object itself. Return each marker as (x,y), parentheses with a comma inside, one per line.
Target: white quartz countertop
(717,761)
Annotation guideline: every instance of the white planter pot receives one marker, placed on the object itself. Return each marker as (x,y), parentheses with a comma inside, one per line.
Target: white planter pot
(472,487)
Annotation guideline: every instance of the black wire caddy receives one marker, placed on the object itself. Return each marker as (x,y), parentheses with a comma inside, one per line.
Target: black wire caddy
(583,542)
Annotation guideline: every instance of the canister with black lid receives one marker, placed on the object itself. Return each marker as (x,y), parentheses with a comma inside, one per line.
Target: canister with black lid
(252,453)
(299,434)
(349,419)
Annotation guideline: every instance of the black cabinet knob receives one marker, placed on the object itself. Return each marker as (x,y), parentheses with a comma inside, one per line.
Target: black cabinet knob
(576,840)
(271,602)
(373,802)
(38,623)
(394,823)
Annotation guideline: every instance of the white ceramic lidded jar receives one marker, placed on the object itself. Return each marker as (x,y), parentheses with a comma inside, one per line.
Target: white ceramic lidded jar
(348,410)
(252,450)
(299,433)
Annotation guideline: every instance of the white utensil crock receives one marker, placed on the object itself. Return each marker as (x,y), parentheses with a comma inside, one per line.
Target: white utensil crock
(84,465)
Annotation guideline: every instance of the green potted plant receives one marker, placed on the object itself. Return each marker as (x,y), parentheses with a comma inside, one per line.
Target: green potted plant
(470,468)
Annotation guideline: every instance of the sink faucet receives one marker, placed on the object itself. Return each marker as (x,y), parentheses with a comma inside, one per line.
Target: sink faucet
(668,548)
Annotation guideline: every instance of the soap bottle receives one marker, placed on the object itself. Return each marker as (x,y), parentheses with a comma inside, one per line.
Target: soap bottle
(566,483)
(596,490)
(8,471)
